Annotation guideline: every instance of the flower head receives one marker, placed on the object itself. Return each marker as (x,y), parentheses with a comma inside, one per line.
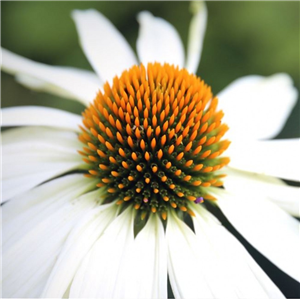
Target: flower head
(153,139)
(150,143)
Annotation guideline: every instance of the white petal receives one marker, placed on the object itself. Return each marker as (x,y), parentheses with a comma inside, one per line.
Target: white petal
(150,262)
(268,228)
(79,242)
(196,35)
(257,107)
(19,225)
(184,267)
(28,260)
(158,41)
(231,271)
(278,158)
(101,274)
(32,155)
(72,185)
(287,197)
(63,81)
(41,202)
(40,116)
(106,49)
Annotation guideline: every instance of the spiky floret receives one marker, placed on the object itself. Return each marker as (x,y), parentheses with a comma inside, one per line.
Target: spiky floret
(153,139)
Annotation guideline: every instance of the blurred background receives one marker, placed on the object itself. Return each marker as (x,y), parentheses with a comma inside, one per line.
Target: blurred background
(242,38)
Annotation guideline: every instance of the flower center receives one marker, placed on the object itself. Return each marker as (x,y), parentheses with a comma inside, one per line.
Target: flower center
(153,139)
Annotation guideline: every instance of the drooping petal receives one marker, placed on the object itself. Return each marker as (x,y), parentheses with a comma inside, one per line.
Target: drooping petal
(40,116)
(196,35)
(18,221)
(257,107)
(32,155)
(29,259)
(231,270)
(71,185)
(268,228)
(150,262)
(279,158)
(101,274)
(63,81)
(184,268)
(79,242)
(106,49)
(158,41)
(287,197)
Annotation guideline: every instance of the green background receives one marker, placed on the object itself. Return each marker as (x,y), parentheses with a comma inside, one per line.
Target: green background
(242,38)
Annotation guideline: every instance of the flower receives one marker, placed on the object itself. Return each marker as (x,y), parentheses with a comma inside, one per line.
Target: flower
(65,237)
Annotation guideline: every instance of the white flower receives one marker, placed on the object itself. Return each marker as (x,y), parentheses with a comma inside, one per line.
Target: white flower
(59,240)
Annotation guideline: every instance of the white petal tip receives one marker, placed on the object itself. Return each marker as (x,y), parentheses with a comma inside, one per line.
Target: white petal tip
(274,95)
(143,16)
(284,81)
(106,49)
(197,6)
(158,41)
(77,13)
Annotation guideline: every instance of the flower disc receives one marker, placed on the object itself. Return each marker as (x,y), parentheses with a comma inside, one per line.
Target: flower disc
(153,139)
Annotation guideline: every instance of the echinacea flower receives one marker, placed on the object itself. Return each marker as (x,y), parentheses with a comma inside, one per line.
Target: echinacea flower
(101,209)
